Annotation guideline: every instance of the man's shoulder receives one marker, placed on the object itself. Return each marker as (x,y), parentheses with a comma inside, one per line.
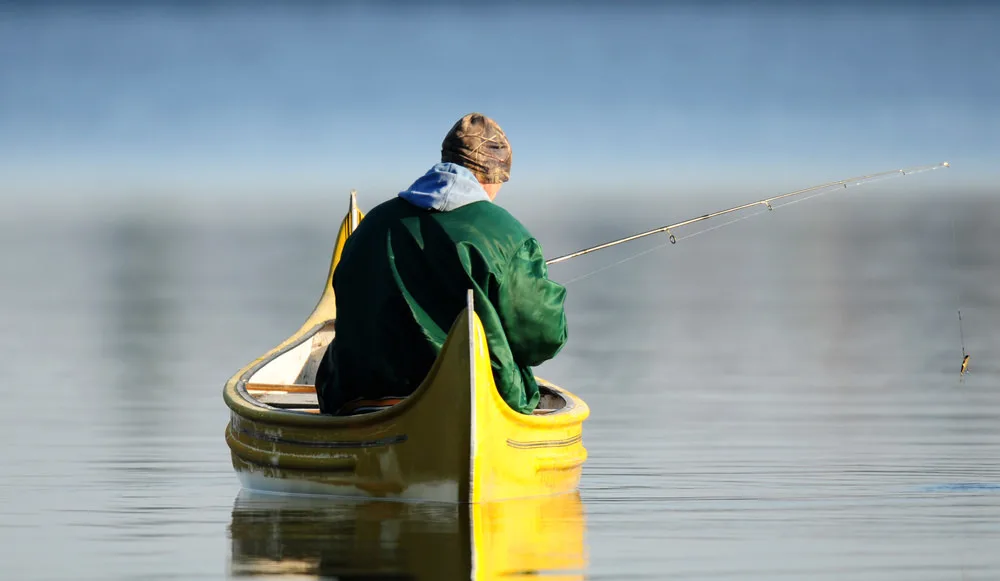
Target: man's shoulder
(392,207)
(493,218)
(387,215)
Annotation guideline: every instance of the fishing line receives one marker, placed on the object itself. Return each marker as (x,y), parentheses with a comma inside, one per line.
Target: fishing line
(699,232)
(768,202)
(614,264)
(958,299)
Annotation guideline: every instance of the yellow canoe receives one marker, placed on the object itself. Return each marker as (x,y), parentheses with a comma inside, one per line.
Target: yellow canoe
(454,439)
(323,538)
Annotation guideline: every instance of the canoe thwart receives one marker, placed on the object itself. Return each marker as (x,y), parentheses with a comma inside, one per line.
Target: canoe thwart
(280,387)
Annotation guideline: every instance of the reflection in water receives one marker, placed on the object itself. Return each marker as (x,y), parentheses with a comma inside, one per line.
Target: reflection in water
(302,536)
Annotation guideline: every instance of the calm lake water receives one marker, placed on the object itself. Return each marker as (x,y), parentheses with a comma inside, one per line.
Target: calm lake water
(775,399)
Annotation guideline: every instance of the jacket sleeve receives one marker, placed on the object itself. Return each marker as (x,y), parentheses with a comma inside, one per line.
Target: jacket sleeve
(531,307)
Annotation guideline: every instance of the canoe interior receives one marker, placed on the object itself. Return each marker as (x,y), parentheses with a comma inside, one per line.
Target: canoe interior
(288,380)
(298,365)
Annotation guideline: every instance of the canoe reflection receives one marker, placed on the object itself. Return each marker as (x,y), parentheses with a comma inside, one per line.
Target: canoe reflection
(322,538)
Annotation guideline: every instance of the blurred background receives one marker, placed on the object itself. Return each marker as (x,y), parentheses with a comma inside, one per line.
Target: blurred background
(173,100)
(777,397)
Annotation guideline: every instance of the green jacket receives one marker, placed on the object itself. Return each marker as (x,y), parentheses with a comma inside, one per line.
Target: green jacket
(402,281)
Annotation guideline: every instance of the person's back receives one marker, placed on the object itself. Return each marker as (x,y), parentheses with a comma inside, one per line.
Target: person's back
(404,274)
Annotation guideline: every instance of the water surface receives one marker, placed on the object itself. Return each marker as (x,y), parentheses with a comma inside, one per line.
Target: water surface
(775,399)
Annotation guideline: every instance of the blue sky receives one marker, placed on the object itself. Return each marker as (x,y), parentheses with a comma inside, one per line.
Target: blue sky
(249,100)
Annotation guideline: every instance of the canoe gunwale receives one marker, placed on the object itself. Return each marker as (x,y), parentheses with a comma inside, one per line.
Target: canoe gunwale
(247,406)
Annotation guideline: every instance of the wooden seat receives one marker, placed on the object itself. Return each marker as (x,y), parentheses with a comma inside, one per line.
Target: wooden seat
(288,400)
(294,397)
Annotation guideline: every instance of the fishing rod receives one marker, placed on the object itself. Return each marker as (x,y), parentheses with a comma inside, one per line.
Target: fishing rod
(765,202)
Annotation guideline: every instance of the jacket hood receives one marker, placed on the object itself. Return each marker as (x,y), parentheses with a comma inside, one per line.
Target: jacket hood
(444,187)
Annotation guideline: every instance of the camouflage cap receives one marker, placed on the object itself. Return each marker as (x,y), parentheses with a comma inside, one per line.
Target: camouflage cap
(477,143)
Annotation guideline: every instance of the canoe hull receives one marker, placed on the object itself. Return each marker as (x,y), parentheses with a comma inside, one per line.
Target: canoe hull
(453,440)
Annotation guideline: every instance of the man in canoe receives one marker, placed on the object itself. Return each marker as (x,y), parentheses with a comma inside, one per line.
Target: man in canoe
(404,274)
